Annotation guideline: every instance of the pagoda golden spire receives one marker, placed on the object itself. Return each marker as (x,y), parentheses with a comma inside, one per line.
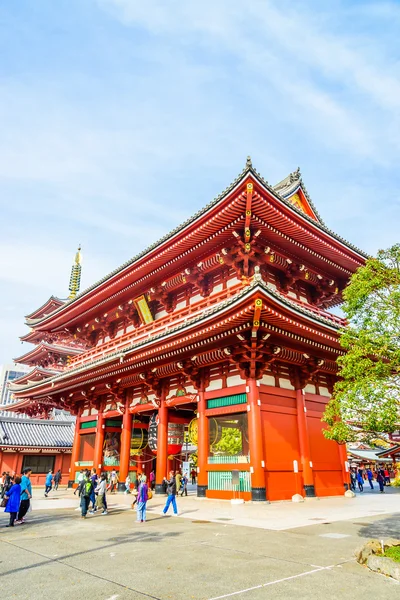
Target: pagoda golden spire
(75,280)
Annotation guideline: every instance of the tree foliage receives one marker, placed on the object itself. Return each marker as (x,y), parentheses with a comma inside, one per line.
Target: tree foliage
(367,397)
(230,441)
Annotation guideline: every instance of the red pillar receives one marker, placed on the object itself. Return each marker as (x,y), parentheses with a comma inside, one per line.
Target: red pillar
(162,444)
(99,442)
(202,444)
(75,451)
(125,445)
(257,463)
(304,443)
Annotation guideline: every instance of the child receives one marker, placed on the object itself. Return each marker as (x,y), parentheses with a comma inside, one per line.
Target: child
(13,497)
(142,498)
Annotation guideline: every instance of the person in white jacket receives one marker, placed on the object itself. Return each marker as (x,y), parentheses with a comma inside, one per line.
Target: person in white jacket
(100,490)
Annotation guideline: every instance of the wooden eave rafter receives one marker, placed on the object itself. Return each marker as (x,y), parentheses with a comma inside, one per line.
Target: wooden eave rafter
(222,211)
(234,312)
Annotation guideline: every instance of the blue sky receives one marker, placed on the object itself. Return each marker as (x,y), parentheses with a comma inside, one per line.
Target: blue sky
(119,119)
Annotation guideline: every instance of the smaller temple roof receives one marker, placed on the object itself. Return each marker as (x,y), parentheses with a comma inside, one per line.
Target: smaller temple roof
(367,455)
(43,349)
(51,304)
(34,433)
(36,374)
(389,452)
(288,189)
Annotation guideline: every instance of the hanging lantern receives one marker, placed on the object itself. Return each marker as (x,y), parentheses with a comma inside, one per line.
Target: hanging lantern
(175,435)
(214,431)
(139,439)
(152,432)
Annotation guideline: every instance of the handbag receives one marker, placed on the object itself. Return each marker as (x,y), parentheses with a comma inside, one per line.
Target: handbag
(4,503)
(149,495)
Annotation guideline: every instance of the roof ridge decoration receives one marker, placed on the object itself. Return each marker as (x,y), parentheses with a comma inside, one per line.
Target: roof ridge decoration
(247,170)
(257,281)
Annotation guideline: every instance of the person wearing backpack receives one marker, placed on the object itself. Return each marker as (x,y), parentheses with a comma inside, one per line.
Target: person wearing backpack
(85,490)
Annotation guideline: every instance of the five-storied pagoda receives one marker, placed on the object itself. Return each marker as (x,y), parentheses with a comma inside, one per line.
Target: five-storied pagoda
(223,325)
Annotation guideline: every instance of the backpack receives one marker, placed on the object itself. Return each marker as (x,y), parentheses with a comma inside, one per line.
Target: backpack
(87,488)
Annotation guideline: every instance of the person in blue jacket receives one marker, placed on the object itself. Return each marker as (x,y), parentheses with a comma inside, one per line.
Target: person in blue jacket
(49,481)
(13,498)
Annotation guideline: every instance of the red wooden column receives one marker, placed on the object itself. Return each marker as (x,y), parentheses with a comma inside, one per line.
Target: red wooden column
(75,450)
(304,441)
(202,443)
(125,445)
(162,443)
(99,442)
(257,463)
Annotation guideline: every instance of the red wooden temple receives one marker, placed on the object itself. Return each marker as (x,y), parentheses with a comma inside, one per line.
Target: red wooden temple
(224,325)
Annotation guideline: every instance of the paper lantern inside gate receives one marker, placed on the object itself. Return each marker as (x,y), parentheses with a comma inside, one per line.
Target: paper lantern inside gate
(175,436)
(139,439)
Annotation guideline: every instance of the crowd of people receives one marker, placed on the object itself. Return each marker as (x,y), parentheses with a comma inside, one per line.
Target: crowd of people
(92,489)
(360,476)
(16,494)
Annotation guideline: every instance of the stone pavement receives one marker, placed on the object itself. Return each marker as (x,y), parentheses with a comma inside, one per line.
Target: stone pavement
(57,554)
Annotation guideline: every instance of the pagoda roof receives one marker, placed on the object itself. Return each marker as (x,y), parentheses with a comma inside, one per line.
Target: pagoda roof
(117,279)
(36,374)
(48,307)
(320,324)
(35,433)
(43,349)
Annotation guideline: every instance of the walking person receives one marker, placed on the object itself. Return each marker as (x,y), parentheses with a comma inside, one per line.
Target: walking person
(184,483)
(93,479)
(381,480)
(152,479)
(360,480)
(353,479)
(142,497)
(26,495)
(57,479)
(85,489)
(193,476)
(7,484)
(387,476)
(171,491)
(113,481)
(101,501)
(48,483)
(127,485)
(178,478)
(13,497)
(370,477)
(2,483)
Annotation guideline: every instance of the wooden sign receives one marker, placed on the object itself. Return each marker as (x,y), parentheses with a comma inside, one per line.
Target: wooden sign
(143,309)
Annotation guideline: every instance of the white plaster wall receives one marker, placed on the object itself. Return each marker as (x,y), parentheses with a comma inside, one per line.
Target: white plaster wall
(268,380)
(234,380)
(310,388)
(285,384)
(324,392)
(216,384)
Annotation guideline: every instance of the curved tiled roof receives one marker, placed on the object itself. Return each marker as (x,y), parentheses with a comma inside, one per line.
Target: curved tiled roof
(35,433)
(257,282)
(248,170)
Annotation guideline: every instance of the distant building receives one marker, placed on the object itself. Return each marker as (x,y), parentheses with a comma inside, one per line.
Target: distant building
(8,374)
(38,444)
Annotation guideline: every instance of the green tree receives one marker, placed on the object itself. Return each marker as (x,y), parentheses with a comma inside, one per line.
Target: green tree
(367,397)
(230,442)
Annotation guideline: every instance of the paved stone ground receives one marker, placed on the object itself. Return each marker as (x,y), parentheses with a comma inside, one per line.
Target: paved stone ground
(61,556)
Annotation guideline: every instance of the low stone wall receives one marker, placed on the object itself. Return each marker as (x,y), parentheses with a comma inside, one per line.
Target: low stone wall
(370,554)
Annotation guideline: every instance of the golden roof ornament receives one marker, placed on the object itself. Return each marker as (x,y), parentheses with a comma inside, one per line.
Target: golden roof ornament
(75,279)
